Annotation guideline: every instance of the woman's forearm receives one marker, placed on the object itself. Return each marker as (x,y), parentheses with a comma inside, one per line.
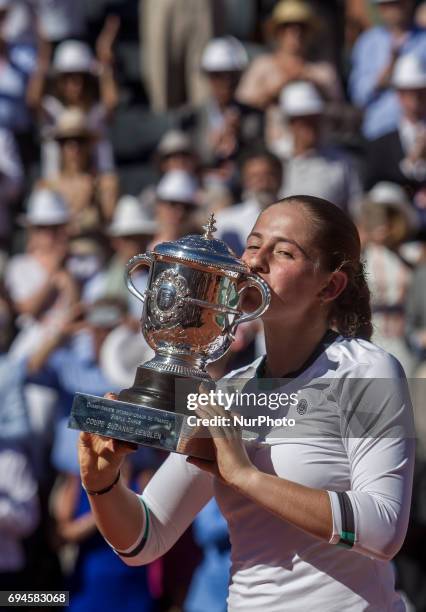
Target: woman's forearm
(119,516)
(304,507)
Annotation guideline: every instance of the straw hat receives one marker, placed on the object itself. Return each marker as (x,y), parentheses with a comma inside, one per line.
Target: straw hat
(72,123)
(293,11)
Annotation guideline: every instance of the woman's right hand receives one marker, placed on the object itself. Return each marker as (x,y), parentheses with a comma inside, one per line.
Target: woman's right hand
(100,457)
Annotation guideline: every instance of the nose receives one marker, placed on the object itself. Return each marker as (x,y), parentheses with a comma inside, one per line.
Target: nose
(256,260)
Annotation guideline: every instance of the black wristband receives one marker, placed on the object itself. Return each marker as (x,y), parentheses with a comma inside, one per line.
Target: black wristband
(106,490)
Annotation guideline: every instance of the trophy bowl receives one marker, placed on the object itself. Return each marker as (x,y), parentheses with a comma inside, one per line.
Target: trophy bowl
(190,314)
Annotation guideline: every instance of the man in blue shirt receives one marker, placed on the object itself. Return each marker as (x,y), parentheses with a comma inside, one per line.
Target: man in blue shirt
(373,60)
(70,362)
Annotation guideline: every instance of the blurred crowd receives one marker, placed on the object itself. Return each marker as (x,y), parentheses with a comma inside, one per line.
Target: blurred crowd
(124,124)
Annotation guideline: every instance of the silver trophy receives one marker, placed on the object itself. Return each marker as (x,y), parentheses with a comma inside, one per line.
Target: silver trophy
(190,314)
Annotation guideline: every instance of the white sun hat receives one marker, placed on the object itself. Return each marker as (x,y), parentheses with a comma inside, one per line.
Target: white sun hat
(131,219)
(74,56)
(45,207)
(178,186)
(224,55)
(409,73)
(301,99)
(386,193)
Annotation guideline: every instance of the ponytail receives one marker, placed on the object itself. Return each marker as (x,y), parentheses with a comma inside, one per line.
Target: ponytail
(351,314)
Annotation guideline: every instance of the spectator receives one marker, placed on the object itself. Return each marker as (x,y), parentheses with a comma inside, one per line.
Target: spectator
(387,219)
(131,231)
(60,19)
(261,174)
(312,167)
(11,179)
(209,587)
(174,34)
(400,155)
(43,293)
(86,261)
(178,202)
(19,502)
(57,20)
(124,350)
(76,77)
(14,419)
(420,15)
(373,62)
(41,290)
(19,513)
(91,195)
(19,22)
(69,360)
(175,151)
(294,28)
(76,525)
(416,319)
(222,126)
(17,62)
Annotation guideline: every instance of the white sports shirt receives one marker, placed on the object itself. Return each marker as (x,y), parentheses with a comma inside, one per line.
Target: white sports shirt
(357,444)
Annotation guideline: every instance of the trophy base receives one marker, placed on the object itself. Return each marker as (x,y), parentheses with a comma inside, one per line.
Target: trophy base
(140,424)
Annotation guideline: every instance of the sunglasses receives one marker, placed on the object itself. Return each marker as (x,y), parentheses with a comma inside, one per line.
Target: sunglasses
(80,140)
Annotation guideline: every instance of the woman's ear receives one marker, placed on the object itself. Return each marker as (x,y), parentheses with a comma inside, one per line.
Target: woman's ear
(335,286)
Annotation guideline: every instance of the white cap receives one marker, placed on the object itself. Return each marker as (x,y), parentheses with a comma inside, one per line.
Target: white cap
(409,73)
(74,56)
(178,186)
(391,194)
(130,219)
(174,141)
(46,207)
(224,55)
(301,98)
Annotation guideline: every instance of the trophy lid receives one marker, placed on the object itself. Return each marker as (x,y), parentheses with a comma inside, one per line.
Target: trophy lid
(204,250)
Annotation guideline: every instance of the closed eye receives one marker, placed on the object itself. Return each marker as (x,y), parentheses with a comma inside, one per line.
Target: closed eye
(286,253)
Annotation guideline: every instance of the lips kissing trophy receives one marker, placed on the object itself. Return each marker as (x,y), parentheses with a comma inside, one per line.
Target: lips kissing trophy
(190,314)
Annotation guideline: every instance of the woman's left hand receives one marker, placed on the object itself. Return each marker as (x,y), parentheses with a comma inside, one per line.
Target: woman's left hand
(232,465)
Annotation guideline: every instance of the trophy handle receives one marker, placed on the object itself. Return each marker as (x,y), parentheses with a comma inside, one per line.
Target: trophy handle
(134,264)
(258,282)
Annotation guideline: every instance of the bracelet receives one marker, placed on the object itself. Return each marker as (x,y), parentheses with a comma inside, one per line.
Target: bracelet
(106,490)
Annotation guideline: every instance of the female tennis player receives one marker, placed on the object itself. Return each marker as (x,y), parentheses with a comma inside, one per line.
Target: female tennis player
(314,520)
